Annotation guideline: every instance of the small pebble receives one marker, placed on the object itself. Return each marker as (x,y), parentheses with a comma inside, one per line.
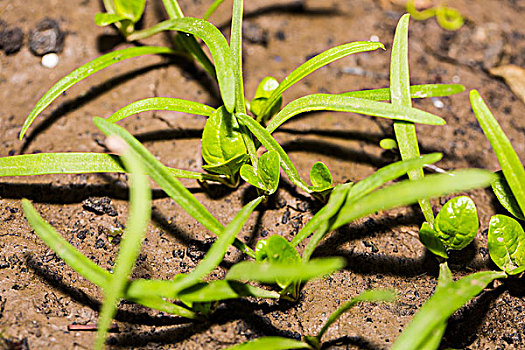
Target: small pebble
(374,38)
(438,103)
(46,37)
(11,40)
(50,60)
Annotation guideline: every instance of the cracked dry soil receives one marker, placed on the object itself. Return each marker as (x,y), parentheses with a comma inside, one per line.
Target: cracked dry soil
(40,296)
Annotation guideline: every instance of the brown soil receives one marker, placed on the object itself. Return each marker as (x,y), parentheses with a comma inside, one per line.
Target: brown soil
(41,296)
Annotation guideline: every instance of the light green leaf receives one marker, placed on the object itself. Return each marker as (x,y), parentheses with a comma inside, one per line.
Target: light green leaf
(168,183)
(104,19)
(84,72)
(273,343)
(315,63)
(416,91)
(407,192)
(268,272)
(339,103)
(236,49)
(263,92)
(457,223)
(508,159)
(219,49)
(271,145)
(320,177)
(222,142)
(266,177)
(505,196)
(280,251)
(223,290)
(441,306)
(161,104)
(400,94)
(388,144)
(507,244)
(212,9)
(138,219)
(132,9)
(430,239)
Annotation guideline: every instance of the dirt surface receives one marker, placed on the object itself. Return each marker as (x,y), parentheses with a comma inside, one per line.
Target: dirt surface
(40,295)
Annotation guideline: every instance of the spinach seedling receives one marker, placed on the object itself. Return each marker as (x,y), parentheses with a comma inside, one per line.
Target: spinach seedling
(507,244)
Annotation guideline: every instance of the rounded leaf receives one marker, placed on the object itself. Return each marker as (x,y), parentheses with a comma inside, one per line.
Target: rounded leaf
(430,239)
(506,243)
(320,177)
(280,251)
(505,196)
(457,223)
(269,170)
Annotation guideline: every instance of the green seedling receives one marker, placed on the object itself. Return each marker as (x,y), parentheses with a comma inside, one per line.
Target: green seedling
(266,177)
(123,13)
(510,184)
(507,244)
(455,227)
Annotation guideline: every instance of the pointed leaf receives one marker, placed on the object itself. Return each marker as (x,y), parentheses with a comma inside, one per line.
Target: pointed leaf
(84,72)
(505,196)
(508,159)
(506,243)
(104,19)
(416,91)
(274,343)
(222,290)
(317,62)
(339,103)
(457,223)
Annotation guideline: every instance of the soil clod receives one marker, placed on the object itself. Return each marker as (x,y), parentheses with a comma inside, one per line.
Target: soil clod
(11,39)
(99,206)
(46,37)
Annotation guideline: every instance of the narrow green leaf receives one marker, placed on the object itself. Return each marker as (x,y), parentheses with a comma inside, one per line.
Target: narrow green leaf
(505,196)
(161,104)
(441,306)
(212,9)
(416,91)
(317,62)
(508,159)
(430,239)
(271,145)
(172,8)
(268,272)
(372,296)
(274,343)
(400,94)
(236,49)
(223,290)
(408,192)
(84,72)
(339,103)
(506,243)
(219,49)
(104,19)
(168,183)
(78,261)
(457,223)
(138,219)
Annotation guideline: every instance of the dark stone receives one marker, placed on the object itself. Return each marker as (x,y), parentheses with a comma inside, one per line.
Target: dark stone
(11,39)
(99,206)
(46,37)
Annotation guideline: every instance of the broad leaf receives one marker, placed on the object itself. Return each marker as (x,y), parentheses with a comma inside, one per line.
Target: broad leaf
(430,239)
(263,92)
(508,159)
(339,103)
(84,72)
(457,223)
(274,343)
(132,9)
(315,63)
(441,306)
(161,104)
(320,177)
(507,244)
(266,177)
(280,251)
(223,147)
(505,196)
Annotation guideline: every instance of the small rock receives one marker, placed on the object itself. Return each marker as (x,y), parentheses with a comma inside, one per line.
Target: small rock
(46,37)
(11,39)
(50,60)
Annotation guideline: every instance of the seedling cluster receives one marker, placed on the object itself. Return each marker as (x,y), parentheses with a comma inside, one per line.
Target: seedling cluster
(230,141)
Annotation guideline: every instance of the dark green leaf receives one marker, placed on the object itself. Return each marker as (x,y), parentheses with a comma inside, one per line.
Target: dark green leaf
(339,103)
(508,159)
(505,196)
(222,142)
(416,91)
(506,243)
(315,63)
(219,49)
(162,104)
(430,239)
(273,343)
(457,223)
(84,72)
(441,306)
(268,272)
